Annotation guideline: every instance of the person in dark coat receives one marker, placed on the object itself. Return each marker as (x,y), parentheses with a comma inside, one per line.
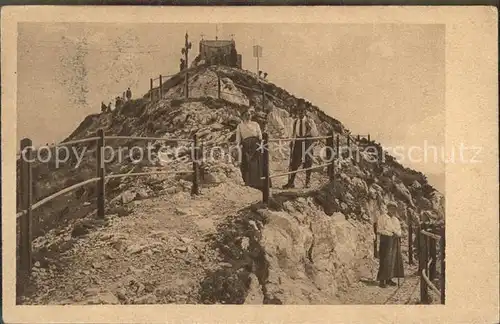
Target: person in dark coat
(303,127)
(233,56)
(385,233)
(118,102)
(249,137)
(129,94)
(104,108)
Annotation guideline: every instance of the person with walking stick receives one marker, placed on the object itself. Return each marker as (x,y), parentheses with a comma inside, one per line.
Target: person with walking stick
(385,236)
(397,256)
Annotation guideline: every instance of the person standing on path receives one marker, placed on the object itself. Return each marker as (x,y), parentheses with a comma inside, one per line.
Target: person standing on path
(302,129)
(249,138)
(397,257)
(385,232)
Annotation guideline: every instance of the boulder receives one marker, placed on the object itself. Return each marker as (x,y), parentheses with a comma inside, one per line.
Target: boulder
(125,197)
(360,184)
(211,178)
(217,126)
(404,193)
(142,193)
(147,299)
(255,295)
(416,185)
(99,298)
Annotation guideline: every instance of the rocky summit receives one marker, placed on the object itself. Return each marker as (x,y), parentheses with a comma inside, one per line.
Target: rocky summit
(158,244)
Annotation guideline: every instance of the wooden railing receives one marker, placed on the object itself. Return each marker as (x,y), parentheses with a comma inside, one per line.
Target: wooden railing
(266,176)
(428,258)
(26,156)
(27,222)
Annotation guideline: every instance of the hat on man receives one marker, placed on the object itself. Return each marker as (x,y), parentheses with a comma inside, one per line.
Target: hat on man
(301,106)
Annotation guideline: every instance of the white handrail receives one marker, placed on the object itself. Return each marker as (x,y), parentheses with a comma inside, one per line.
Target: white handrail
(291,172)
(57,194)
(430,284)
(148,138)
(145,173)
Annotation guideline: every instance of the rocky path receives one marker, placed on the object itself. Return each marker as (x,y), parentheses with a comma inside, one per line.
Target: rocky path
(367,291)
(157,254)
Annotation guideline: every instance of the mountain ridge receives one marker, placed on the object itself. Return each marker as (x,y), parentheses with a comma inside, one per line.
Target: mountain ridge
(242,241)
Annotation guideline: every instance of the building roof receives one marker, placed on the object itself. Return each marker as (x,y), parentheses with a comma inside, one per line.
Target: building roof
(216,43)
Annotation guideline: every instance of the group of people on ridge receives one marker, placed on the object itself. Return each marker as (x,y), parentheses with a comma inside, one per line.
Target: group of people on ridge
(119,101)
(249,139)
(387,226)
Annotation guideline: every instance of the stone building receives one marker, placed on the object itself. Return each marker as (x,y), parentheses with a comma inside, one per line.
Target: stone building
(219,52)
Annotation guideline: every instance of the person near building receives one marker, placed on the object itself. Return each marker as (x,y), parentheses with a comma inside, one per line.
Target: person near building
(129,94)
(233,56)
(248,139)
(118,102)
(303,128)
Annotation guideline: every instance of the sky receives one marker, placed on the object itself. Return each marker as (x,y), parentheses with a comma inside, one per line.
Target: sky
(387,80)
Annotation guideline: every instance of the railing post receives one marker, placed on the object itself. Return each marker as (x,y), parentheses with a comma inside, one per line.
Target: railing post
(426,267)
(330,155)
(417,236)
(265,168)
(263,99)
(410,242)
(433,256)
(201,164)
(26,202)
(101,174)
(186,85)
(422,266)
(218,86)
(161,88)
(442,284)
(195,157)
(338,146)
(151,89)
(369,141)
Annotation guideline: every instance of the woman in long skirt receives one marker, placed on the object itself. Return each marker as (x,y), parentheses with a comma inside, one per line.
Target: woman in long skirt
(385,232)
(249,137)
(397,268)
